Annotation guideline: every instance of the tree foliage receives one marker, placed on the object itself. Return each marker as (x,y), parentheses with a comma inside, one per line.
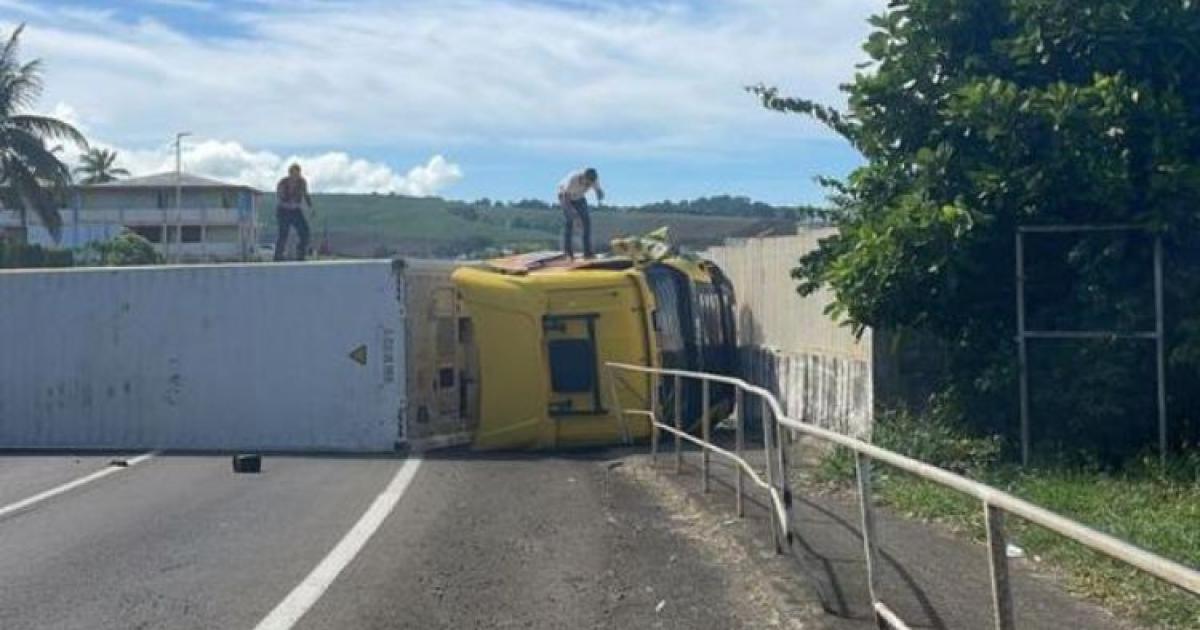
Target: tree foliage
(99,166)
(32,178)
(126,250)
(978,116)
(15,255)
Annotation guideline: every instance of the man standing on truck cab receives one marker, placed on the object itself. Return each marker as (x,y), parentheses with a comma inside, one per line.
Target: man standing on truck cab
(572,196)
(292,195)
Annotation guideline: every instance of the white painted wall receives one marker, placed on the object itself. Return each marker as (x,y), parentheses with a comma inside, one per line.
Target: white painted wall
(821,372)
(772,313)
(203,357)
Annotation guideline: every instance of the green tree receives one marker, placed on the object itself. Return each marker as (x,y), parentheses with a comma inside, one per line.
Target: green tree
(32,178)
(98,166)
(127,249)
(977,116)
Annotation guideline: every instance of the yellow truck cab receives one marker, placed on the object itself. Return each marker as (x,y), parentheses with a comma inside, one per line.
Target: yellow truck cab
(543,326)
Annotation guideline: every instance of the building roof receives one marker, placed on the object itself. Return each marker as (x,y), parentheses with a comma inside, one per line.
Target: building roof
(166,180)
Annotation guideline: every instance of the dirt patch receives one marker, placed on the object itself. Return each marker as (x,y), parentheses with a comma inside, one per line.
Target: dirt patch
(766,585)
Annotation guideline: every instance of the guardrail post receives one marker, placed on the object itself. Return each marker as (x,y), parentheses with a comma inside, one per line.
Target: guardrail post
(654,383)
(862,468)
(678,424)
(769,448)
(739,447)
(768,444)
(785,485)
(706,433)
(998,563)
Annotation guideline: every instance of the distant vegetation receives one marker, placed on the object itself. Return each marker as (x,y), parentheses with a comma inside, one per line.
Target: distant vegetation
(718,206)
(98,166)
(386,225)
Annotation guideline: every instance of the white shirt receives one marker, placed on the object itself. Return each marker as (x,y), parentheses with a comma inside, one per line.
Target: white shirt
(575,185)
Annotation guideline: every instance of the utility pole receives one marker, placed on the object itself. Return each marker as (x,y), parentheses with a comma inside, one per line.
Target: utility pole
(178,192)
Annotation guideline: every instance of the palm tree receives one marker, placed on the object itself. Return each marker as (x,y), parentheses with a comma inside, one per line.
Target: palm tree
(31,175)
(99,166)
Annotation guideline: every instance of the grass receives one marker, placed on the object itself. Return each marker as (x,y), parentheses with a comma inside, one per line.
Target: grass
(366,225)
(1151,506)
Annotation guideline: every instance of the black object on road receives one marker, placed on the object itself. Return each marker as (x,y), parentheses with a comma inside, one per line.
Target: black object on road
(247,463)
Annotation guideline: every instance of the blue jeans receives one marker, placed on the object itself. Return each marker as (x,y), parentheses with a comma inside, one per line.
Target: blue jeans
(291,218)
(577,208)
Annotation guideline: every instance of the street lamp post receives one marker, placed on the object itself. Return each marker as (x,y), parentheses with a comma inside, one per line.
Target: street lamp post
(178,191)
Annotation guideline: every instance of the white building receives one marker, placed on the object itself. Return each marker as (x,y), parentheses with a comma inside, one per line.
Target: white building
(209,221)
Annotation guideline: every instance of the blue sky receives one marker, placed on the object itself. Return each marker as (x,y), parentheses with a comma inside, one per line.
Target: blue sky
(461,98)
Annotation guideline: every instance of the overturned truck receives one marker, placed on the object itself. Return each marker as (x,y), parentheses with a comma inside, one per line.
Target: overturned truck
(543,326)
(362,356)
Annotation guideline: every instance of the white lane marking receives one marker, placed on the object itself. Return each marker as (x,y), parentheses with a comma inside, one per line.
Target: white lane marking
(71,485)
(305,595)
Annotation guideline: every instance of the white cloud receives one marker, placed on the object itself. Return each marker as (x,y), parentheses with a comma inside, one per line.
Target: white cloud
(622,77)
(326,172)
(338,172)
(67,114)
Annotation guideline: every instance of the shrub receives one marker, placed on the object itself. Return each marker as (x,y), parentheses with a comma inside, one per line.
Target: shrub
(127,249)
(15,255)
(936,439)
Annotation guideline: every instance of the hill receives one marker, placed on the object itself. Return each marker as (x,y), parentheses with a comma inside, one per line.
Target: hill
(385,225)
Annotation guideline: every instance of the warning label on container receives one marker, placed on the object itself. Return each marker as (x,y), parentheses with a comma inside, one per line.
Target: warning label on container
(359,354)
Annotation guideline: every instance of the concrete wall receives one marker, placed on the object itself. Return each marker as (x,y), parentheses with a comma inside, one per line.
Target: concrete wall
(820,370)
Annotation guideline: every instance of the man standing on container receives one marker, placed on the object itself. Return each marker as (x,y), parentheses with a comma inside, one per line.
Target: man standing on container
(292,195)
(572,196)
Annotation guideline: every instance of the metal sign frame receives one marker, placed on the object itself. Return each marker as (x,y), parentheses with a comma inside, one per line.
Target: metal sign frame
(1024,335)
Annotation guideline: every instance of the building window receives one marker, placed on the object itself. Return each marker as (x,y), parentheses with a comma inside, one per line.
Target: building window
(163,199)
(152,233)
(191,233)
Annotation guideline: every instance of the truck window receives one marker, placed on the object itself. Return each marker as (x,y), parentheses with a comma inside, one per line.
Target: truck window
(572,366)
(573,357)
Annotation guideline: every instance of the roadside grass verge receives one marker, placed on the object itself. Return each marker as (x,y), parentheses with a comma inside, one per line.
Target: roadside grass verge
(1152,506)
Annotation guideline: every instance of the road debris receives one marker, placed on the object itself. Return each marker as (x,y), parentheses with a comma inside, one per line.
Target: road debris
(246,463)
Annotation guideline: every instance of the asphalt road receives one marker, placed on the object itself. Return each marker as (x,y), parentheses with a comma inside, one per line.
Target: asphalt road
(459,540)
(470,542)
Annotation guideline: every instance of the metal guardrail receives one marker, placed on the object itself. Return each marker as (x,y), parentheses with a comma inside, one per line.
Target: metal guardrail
(996,504)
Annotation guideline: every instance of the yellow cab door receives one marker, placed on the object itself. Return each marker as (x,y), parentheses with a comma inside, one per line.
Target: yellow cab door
(571,351)
(582,329)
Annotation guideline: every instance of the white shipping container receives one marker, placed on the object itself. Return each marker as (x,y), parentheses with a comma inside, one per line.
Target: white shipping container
(288,357)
